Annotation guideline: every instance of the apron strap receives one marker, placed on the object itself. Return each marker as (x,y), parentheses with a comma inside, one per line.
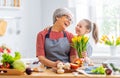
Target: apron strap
(47,35)
(64,34)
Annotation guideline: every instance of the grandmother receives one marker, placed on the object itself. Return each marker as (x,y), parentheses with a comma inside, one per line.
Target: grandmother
(53,45)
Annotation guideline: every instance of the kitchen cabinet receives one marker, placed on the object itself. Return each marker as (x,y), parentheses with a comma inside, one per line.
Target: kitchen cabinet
(11,13)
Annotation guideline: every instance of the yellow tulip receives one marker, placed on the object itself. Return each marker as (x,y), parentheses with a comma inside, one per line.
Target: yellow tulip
(110,41)
(79,38)
(79,43)
(113,37)
(118,38)
(86,39)
(74,39)
(100,41)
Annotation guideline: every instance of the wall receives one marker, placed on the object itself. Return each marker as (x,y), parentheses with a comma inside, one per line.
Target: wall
(29,25)
(34,16)
(48,7)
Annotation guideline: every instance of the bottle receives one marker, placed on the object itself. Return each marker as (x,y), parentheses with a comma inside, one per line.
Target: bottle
(12,3)
(4,2)
(16,3)
(8,2)
(1,3)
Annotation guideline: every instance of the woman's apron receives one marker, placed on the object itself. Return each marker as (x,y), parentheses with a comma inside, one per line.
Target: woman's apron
(57,49)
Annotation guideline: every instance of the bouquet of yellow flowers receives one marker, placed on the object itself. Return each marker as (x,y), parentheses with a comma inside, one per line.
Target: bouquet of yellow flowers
(80,44)
(111,41)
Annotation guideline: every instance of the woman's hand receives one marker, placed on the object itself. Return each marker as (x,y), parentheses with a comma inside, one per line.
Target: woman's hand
(47,62)
(54,68)
(57,63)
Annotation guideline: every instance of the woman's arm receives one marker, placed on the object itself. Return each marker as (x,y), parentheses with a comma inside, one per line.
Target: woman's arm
(47,62)
(40,52)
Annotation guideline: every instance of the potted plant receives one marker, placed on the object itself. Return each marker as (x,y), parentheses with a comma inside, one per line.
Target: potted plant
(110,41)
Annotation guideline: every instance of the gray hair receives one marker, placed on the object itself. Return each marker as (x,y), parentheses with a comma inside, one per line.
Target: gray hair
(61,12)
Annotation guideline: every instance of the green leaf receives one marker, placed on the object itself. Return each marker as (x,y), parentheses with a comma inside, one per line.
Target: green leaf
(7,58)
(99,70)
(17,56)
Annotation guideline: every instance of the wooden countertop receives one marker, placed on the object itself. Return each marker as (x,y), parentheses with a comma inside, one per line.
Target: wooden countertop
(50,74)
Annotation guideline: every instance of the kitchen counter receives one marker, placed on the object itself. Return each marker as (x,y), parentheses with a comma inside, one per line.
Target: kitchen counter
(50,74)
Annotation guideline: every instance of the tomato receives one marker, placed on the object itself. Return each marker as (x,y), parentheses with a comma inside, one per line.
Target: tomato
(1,50)
(1,66)
(74,66)
(8,50)
(5,65)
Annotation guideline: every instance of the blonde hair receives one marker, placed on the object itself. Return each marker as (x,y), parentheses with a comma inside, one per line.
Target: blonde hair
(92,27)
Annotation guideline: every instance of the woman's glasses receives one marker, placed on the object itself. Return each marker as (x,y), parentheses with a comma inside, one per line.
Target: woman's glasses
(69,18)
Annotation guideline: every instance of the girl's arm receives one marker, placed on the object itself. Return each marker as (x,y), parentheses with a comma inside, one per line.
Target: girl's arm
(73,58)
(89,50)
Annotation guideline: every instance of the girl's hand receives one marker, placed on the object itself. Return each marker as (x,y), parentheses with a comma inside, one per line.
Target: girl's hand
(84,54)
(47,28)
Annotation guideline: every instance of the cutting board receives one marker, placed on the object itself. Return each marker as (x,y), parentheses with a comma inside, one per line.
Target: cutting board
(10,72)
(3,27)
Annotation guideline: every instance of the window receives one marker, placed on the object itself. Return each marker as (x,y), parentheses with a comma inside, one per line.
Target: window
(106,13)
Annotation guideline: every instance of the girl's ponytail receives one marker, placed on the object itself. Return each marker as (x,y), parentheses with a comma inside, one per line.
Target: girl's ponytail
(95,33)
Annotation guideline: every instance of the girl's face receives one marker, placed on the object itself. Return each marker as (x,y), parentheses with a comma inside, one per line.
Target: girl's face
(81,28)
(64,21)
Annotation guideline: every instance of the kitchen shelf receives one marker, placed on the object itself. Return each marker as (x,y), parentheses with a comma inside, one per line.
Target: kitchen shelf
(17,17)
(9,8)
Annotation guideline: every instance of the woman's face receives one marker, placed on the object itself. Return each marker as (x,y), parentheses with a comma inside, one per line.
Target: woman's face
(64,21)
(81,29)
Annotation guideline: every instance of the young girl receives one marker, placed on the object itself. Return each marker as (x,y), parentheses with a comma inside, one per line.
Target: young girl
(84,27)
